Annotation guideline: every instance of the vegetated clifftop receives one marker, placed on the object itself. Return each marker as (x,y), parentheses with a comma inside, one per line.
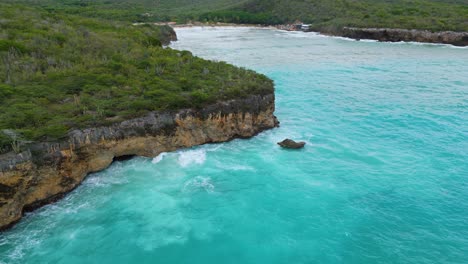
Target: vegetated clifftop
(48,170)
(396,35)
(60,72)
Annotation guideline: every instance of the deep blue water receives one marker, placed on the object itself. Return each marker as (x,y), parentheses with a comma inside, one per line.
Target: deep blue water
(383,178)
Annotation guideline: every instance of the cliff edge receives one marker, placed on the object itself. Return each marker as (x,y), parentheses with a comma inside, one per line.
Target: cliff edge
(45,171)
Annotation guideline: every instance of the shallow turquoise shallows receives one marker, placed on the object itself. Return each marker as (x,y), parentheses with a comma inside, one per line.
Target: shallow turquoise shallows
(383,177)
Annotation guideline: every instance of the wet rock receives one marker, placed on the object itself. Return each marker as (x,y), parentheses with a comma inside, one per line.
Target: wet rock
(291,144)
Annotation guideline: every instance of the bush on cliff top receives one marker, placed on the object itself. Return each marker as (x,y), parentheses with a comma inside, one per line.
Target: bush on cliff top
(59,72)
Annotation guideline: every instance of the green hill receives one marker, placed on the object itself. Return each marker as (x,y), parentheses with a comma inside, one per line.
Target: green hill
(436,15)
(59,72)
(134,10)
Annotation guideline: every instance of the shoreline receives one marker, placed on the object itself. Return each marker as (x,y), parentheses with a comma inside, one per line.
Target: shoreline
(218,24)
(393,35)
(459,39)
(47,171)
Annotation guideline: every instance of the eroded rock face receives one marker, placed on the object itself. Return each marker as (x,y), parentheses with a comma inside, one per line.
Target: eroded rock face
(47,171)
(167,35)
(396,35)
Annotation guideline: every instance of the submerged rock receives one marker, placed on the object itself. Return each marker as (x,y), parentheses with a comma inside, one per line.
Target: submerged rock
(289,143)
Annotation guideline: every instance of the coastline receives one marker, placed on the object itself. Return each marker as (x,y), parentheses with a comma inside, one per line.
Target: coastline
(47,171)
(53,155)
(457,39)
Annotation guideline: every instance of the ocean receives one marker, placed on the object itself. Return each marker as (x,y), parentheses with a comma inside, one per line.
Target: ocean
(383,177)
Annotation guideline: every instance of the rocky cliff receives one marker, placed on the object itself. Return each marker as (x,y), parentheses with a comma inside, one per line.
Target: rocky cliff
(167,34)
(46,171)
(396,35)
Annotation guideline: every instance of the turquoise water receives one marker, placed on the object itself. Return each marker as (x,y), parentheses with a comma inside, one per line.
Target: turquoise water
(383,178)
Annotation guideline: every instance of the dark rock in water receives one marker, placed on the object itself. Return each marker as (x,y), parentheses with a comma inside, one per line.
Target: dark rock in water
(289,143)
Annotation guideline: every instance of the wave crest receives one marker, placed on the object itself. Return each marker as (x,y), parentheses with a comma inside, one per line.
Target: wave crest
(159,157)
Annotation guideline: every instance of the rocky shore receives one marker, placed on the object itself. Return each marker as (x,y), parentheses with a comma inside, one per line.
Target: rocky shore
(46,171)
(380,34)
(396,35)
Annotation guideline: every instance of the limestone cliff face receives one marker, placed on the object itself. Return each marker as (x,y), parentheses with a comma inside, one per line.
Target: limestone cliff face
(396,35)
(47,171)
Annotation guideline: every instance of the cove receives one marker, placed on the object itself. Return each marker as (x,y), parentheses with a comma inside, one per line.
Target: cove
(382,179)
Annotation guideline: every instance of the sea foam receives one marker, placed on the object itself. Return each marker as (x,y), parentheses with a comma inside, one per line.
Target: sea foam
(188,157)
(199,183)
(159,157)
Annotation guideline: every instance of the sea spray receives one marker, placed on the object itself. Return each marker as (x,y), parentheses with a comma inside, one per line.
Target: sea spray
(159,157)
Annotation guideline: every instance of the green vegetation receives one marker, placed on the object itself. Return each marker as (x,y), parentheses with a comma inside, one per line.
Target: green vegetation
(135,10)
(436,15)
(240,17)
(59,72)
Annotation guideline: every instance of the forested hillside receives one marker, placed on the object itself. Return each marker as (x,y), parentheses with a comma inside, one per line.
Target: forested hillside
(435,15)
(59,72)
(135,10)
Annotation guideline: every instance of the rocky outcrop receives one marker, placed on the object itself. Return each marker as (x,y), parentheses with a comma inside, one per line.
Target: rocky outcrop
(46,171)
(291,144)
(396,35)
(167,34)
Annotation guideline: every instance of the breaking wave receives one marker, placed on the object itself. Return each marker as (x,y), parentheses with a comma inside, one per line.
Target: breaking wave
(159,157)
(188,157)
